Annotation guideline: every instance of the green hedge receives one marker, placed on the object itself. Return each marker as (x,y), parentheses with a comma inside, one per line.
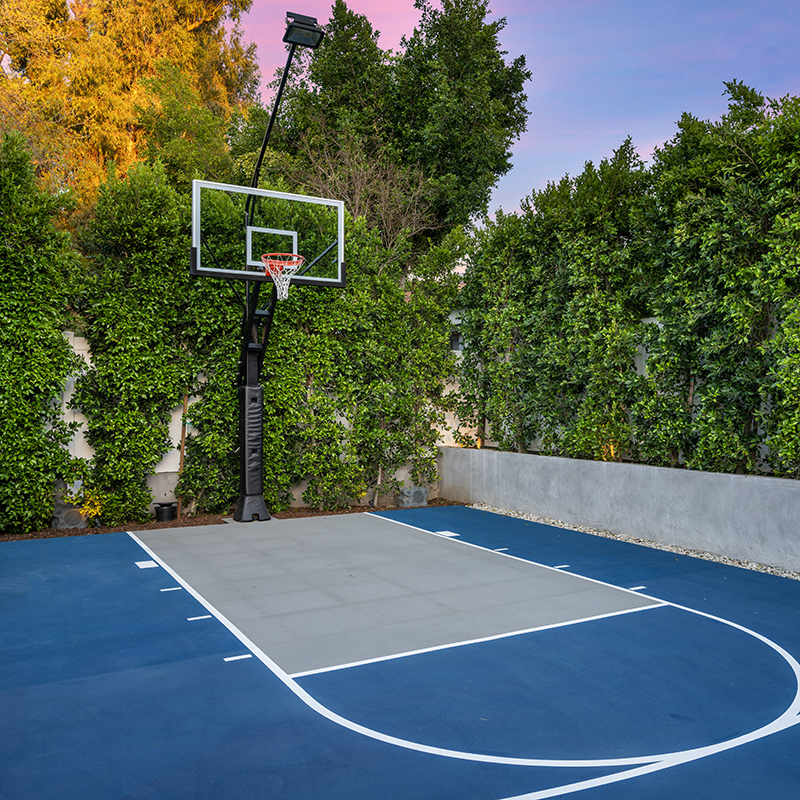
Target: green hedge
(353,378)
(133,305)
(692,261)
(37,267)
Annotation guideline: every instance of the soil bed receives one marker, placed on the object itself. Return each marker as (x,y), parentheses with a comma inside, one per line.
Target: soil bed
(187,522)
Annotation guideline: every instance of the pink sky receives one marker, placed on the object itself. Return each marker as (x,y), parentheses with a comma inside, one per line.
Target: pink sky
(603,69)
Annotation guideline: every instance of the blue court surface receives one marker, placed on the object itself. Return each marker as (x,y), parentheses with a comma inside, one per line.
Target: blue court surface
(524,661)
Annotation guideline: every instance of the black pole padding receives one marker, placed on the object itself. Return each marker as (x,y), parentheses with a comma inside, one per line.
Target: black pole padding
(251,504)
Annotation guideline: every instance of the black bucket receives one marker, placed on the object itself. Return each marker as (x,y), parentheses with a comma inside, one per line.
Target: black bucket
(166,512)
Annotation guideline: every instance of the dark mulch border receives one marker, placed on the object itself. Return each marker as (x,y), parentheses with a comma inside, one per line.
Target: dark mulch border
(188,522)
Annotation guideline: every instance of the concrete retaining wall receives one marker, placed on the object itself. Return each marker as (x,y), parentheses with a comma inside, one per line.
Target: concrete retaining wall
(740,516)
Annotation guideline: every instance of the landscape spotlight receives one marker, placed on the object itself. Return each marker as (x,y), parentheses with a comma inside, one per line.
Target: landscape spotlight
(302,30)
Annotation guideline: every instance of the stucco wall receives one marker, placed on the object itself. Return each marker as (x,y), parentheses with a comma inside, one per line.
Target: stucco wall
(741,516)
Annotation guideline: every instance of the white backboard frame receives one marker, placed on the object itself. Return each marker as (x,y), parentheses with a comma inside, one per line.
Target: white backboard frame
(203,265)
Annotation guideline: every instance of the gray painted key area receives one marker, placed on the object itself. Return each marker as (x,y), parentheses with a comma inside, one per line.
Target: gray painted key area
(324,591)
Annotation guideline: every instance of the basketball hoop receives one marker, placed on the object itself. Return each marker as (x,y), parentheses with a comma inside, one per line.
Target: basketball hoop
(281,267)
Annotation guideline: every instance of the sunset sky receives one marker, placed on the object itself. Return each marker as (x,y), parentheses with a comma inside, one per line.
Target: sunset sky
(602,69)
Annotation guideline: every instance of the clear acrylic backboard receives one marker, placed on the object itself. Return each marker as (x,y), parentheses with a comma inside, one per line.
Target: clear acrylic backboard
(233,226)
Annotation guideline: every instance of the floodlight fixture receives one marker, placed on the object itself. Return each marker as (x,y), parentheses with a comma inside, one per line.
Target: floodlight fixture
(302,30)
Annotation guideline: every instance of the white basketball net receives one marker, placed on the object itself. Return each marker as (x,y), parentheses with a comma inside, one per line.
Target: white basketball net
(281,267)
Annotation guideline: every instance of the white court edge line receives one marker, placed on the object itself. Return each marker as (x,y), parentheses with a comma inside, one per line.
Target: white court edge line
(493,638)
(789,717)
(559,570)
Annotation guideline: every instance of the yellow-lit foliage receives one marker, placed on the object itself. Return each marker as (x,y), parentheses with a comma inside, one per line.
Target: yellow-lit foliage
(73,74)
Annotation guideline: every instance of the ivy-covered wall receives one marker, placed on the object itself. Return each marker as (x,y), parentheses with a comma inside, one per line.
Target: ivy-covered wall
(37,267)
(694,261)
(132,304)
(704,243)
(352,378)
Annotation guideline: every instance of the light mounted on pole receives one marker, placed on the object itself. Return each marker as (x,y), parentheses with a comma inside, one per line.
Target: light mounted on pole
(301,31)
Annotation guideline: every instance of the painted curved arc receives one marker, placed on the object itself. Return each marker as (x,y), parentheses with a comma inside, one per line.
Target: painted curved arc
(648,763)
(658,760)
(789,718)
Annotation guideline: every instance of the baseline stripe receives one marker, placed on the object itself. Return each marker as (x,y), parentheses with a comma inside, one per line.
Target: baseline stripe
(523,560)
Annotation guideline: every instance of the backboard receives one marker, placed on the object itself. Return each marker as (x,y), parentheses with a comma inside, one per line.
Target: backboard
(232,226)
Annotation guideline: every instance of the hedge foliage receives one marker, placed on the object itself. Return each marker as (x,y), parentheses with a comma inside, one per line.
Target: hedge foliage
(37,266)
(692,262)
(133,301)
(352,379)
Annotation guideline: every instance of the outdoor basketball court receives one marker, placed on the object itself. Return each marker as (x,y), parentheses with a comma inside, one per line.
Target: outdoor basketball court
(431,653)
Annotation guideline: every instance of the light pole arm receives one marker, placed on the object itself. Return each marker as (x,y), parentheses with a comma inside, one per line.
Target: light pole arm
(254,182)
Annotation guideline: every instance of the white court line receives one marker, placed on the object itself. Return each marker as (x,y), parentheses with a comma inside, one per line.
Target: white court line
(493,638)
(462,543)
(788,719)
(205,616)
(500,549)
(145,564)
(172,589)
(448,534)
(561,566)
(646,763)
(238,658)
(637,588)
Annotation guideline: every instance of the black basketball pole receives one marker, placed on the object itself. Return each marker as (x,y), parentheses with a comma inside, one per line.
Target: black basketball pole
(251,505)
(257,323)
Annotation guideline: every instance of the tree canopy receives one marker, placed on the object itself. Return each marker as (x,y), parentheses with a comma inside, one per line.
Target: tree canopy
(445,110)
(79,68)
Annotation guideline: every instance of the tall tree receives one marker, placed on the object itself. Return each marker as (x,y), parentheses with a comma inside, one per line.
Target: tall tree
(447,107)
(79,65)
(459,107)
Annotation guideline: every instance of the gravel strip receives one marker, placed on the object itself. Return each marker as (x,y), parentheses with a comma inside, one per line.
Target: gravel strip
(733,562)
